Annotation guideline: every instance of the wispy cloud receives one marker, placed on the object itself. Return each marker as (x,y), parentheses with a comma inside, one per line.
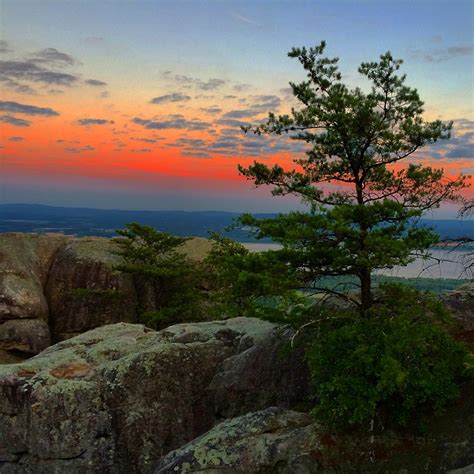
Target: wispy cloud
(172,121)
(79,149)
(4,47)
(188,81)
(53,57)
(93,121)
(95,82)
(15,121)
(174,97)
(32,72)
(15,107)
(245,19)
(441,54)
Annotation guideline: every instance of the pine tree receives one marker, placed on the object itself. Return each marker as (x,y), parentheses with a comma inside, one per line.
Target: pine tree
(363,203)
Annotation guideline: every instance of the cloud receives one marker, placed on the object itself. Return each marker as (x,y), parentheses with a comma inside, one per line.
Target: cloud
(95,82)
(15,107)
(461,145)
(53,56)
(211,110)
(231,122)
(174,97)
(93,121)
(32,72)
(4,47)
(441,54)
(265,101)
(245,19)
(80,149)
(17,86)
(16,139)
(241,87)
(196,154)
(17,122)
(257,104)
(211,84)
(172,121)
(192,142)
(188,81)
(141,150)
(146,140)
(237,114)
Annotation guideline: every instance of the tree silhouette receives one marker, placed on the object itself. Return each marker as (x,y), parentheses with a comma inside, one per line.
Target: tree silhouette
(363,204)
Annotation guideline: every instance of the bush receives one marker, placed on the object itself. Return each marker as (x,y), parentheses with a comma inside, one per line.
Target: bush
(395,365)
(167,283)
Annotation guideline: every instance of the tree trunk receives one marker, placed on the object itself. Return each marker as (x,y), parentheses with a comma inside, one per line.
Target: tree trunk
(365,289)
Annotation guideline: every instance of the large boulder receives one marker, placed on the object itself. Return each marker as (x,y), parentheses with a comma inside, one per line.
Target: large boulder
(118,398)
(53,287)
(85,291)
(284,441)
(25,262)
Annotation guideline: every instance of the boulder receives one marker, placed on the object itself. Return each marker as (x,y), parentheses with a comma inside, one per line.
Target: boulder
(27,336)
(460,303)
(25,261)
(118,398)
(64,286)
(84,290)
(271,440)
(284,441)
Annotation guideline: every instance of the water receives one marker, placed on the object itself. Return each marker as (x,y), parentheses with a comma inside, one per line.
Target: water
(449,264)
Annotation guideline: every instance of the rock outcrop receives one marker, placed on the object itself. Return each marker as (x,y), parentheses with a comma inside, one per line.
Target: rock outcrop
(284,441)
(53,287)
(118,398)
(25,260)
(84,291)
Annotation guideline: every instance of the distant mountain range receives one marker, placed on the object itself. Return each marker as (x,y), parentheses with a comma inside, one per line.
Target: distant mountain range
(104,222)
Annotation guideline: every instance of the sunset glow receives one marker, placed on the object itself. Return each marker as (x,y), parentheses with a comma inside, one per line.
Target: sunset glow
(138,104)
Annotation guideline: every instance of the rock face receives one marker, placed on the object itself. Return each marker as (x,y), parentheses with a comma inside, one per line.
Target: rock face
(53,287)
(84,291)
(118,398)
(272,440)
(25,260)
(284,441)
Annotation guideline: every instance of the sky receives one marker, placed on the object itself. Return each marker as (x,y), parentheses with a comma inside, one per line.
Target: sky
(138,104)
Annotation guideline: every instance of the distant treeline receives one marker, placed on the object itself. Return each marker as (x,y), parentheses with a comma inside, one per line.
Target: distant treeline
(104,222)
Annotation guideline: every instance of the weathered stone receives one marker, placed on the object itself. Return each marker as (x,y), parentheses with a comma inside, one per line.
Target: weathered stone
(25,260)
(253,443)
(118,398)
(460,303)
(69,283)
(84,290)
(24,335)
(283,441)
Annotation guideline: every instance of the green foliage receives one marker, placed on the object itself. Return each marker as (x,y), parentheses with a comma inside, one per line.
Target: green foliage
(394,366)
(243,283)
(167,283)
(103,294)
(366,219)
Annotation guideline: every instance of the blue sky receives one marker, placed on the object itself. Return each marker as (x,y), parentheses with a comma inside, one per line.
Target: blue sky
(209,51)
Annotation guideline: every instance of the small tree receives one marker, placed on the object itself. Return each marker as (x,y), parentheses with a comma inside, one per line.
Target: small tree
(167,283)
(356,139)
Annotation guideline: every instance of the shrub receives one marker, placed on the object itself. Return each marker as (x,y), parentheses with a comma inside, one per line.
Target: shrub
(396,365)
(167,283)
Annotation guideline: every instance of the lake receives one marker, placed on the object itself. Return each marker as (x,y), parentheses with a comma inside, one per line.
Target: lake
(450,264)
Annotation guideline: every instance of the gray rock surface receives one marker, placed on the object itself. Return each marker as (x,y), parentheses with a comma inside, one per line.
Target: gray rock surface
(276,440)
(63,286)
(118,398)
(84,291)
